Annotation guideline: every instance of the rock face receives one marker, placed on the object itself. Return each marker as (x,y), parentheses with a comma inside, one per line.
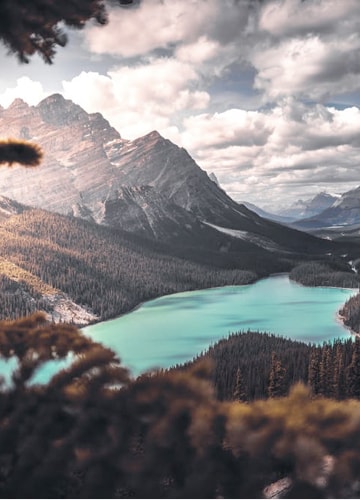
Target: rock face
(87,164)
(75,170)
(149,186)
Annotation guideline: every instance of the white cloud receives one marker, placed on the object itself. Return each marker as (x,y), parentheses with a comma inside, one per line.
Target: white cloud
(289,148)
(234,127)
(197,94)
(308,67)
(141,98)
(309,49)
(199,51)
(304,48)
(296,17)
(26,89)
(154,24)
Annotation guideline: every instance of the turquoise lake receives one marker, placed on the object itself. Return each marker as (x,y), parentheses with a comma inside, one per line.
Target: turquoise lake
(175,328)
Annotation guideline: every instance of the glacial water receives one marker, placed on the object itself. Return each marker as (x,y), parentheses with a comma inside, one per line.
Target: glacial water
(175,328)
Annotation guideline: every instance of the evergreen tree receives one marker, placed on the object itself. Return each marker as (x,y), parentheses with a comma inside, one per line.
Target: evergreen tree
(353,372)
(339,377)
(33,27)
(277,382)
(314,371)
(326,375)
(26,153)
(239,393)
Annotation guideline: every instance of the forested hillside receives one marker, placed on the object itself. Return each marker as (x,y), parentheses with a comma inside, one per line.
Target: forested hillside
(350,313)
(106,270)
(248,366)
(328,272)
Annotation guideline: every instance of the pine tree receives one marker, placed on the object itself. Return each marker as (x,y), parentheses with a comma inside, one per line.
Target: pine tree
(314,371)
(239,393)
(277,382)
(32,27)
(326,375)
(339,377)
(25,153)
(353,372)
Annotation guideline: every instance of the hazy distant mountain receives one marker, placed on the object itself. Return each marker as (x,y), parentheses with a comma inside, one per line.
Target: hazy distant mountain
(148,186)
(307,208)
(345,211)
(268,215)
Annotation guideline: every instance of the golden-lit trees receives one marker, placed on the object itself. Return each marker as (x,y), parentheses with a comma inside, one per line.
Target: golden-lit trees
(92,432)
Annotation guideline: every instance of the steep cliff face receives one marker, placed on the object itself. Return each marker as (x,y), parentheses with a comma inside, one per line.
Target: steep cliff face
(143,210)
(75,169)
(155,161)
(149,186)
(87,162)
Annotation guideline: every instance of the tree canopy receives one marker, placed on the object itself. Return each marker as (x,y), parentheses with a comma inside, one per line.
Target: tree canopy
(33,27)
(26,153)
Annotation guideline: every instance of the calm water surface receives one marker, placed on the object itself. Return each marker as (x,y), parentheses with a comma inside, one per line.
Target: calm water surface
(175,328)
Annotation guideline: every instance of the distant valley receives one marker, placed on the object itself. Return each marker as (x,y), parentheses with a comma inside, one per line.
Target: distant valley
(107,223)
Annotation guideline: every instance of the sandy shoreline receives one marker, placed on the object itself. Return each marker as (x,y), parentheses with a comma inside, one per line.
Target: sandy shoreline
(341,319)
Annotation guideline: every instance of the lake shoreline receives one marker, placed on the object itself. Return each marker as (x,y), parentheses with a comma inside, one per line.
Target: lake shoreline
(176,327)
(341,319)
(272,275)
(140,304)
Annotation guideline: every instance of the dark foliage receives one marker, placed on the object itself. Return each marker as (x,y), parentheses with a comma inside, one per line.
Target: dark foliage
(25,153)
(33,26)
(270,365)
(350,313)
(92,432)
(331,273)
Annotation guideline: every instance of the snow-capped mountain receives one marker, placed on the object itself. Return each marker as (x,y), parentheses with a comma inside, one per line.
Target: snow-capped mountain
(343,212)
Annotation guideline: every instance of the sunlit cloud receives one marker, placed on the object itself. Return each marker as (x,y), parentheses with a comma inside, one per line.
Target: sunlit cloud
(245,86)
(26,89)
(292,145)
(140,98)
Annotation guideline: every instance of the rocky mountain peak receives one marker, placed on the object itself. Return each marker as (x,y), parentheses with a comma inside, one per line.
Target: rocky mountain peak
(154,134)
(18,103)
(58,111)
(151,139)
(149,186)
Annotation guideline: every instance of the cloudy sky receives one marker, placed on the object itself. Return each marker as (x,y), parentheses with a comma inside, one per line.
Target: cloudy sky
(265,95)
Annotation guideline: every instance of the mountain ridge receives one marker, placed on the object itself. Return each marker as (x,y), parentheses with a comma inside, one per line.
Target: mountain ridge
(149,185)
(345,211)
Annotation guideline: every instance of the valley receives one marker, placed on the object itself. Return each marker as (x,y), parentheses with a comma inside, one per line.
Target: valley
(108,223)
(179,249)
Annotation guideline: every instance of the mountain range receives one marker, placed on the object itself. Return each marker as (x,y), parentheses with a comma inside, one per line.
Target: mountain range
(344,211)
(148,186)
(147,194)
(310,207)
